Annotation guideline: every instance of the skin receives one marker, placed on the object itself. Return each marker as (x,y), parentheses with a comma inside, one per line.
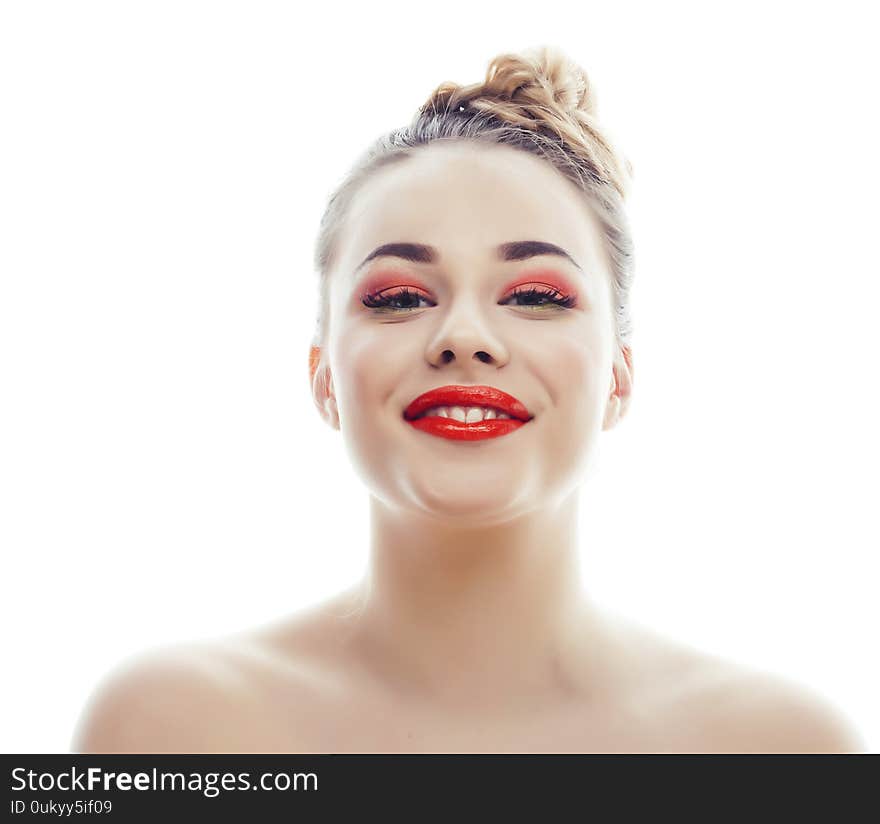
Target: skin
(471,630)
(448,559)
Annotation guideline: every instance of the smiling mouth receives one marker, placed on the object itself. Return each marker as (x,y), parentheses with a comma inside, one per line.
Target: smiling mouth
(467,403)
(464,414)
(455,429)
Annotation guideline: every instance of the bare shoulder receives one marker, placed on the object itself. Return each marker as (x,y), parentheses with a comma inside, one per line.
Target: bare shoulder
(742,710)
(703,702)
(171,699)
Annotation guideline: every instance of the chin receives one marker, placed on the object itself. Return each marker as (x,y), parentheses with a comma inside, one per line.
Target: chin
(464,506)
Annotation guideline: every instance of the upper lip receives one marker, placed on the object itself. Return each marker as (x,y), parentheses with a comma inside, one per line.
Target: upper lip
(458,395)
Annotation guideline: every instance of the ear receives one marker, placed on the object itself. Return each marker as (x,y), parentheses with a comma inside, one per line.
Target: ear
(621,388)
(321,381)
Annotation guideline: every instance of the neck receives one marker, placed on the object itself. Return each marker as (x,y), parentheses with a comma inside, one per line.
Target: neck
(469,614)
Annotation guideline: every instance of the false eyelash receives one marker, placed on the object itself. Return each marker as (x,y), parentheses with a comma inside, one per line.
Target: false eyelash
(566,301)
(380,301)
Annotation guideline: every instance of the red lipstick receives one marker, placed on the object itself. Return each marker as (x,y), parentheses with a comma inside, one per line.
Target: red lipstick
(461,395)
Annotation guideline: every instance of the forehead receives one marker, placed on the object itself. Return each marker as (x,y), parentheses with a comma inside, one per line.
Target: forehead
(467,199)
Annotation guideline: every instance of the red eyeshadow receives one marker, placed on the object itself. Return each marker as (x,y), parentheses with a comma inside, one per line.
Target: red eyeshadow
(385,280)
(548,277)
(377,281)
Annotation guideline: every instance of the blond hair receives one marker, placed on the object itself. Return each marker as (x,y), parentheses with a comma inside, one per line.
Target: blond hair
(539,102)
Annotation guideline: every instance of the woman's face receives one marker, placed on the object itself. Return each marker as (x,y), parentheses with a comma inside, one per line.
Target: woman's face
(462,314)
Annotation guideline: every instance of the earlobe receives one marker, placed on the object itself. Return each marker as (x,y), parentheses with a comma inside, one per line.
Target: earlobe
(321,381)
(621,389)
(332,412)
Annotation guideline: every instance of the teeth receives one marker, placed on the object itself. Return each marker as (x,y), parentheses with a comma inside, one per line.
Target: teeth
(465,414)
(459,413)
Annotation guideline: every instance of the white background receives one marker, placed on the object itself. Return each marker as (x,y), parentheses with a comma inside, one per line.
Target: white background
(163,473)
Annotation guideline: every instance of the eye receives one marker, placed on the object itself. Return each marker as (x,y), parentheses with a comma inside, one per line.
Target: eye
(394,300)
(543,297)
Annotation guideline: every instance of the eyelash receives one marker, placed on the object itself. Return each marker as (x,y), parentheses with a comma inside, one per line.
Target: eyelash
(380,300)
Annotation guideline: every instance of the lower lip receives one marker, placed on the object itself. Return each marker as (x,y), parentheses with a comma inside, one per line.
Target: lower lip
(457,431)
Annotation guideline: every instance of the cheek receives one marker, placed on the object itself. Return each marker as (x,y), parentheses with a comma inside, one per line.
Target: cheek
(572,370)
(369,369)
(571,367)
(364,379)
(357,368)
(572,375)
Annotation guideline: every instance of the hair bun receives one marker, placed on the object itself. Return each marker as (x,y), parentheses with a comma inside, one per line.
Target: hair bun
(541,76)
(540,90)
(525,87)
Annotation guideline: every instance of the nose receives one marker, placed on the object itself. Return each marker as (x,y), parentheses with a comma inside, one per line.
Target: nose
(465,337)
(448,355)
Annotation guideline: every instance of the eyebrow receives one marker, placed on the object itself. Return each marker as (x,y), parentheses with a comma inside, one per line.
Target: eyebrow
(420,253)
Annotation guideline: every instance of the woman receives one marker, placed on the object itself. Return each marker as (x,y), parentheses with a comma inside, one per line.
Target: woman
(473,341)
